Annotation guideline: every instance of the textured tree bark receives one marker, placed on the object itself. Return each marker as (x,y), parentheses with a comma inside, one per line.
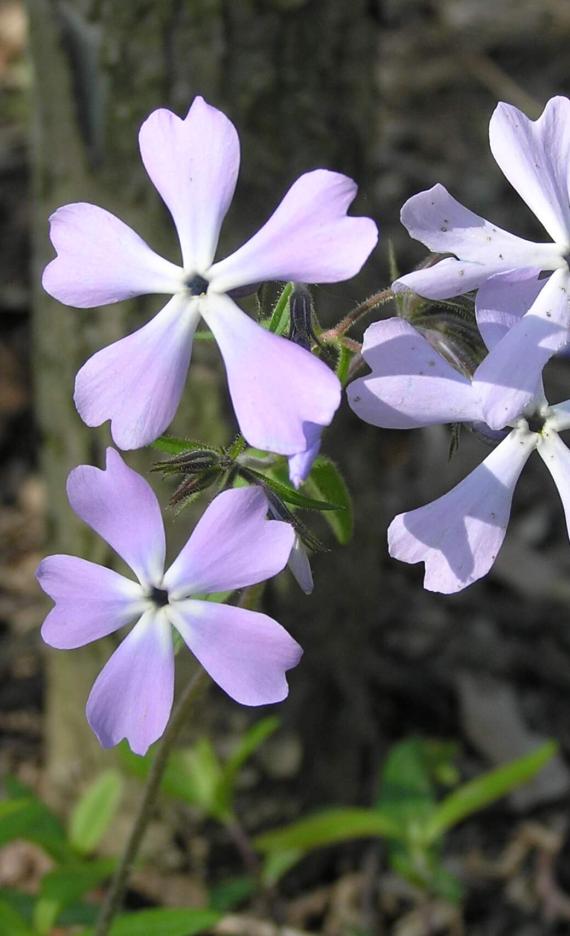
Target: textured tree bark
(294,77)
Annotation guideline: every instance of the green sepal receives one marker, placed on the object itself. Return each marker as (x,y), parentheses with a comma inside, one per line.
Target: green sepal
(280,318)
(174,445)
(344,358)
(288,494)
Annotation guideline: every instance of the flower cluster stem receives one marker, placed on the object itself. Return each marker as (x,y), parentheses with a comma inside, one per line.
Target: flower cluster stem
(359,311)
(120,880)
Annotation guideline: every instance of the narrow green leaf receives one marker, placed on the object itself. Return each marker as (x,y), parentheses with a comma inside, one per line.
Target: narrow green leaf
(193,775)
(326,481)
(478,793)
(327,828)
(250,742)
(173,445)
(200,766)
(393,264)
(231,893)
(289,494)
(279,321)
(11,923)
(406,792)
(276,864)
(203,335)
(46,912)
(95,811)
(168,922)
(246,747)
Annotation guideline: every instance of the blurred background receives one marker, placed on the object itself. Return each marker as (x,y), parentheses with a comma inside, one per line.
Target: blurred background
(397,94)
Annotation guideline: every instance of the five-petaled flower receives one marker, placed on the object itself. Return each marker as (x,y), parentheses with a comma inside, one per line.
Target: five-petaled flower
(282,395)
(508,272)
(458,535)
(233,545)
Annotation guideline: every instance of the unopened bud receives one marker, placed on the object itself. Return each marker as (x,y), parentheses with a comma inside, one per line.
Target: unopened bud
(301,312)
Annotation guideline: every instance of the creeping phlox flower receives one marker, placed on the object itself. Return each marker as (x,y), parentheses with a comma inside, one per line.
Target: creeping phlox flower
(300,464)
(458,535)
(233,545)
(282,395)
(508,272)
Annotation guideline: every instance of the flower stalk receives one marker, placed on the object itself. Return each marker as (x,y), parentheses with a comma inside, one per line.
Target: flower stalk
(114,898)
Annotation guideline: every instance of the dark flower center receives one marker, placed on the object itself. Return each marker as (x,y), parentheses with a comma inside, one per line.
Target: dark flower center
(158,596)
(535,422)
(196,285)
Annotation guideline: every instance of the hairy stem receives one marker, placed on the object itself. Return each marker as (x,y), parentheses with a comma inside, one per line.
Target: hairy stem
(120,880)
(359,311)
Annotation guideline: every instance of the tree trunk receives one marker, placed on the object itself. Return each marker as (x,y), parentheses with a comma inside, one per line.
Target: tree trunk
(298,80)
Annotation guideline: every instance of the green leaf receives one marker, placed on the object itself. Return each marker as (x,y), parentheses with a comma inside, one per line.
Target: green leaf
(196,775)
(327,482)
(424,870)
(478,793)
(277,863)
(22,903)
(407,792)
(445,885)
(173,445)
(229,894)
(45,914)
(30,819)
(392,262)
(68,883)
(170,922)
(327,828)
(279,321)
(193,774)
(289,494)
(60,892)
(95,811)
(11,923)
(246,747)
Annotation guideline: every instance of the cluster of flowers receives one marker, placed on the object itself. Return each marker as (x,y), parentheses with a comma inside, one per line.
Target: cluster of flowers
(523,314)
(283,396)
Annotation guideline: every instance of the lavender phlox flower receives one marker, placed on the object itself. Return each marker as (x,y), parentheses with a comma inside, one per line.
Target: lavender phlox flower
(279,390)
(233,545)
(458,535)
(507,270)
(299,566)
(300,465)
(298,562)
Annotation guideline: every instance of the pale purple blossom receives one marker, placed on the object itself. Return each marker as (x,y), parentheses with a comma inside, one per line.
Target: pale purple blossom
(280,392)
(510,273)
(410,385)
(233,545)
(299,566)
(300,464)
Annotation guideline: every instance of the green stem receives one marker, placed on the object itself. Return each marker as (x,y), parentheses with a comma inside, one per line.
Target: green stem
(120,880)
